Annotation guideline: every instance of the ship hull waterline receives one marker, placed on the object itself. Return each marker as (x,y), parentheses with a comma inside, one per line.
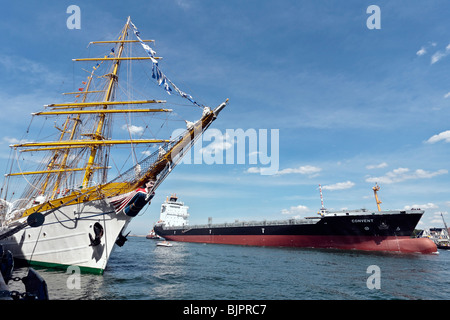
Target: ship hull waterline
(388,244)
(387,233)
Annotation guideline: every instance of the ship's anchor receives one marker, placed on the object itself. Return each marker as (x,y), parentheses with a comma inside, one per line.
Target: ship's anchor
(98,231)
(35,219)
(120,241)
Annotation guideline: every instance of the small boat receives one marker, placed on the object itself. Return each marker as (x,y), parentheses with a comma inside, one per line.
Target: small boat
(164,244)
(439,236)
(152,235)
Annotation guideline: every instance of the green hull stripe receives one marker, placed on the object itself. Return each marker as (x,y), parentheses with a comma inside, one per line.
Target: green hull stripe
(64,267)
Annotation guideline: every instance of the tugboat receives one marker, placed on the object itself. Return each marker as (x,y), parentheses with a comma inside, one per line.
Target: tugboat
(152,235)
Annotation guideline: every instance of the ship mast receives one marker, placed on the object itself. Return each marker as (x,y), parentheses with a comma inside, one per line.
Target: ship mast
(57,170)
(76,121)
(445,225)
(321,197)
(375,190)
(85,136)
(98,133)
(322,210)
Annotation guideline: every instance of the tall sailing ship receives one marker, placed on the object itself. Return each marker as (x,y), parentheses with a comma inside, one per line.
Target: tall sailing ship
(68,211)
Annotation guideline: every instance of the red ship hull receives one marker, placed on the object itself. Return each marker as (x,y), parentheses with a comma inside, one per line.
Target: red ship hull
(387,231)
(366,243)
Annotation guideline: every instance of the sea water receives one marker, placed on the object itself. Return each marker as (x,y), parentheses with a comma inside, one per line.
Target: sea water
(140,270)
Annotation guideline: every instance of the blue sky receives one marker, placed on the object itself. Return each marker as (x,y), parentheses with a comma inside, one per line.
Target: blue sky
(353,106)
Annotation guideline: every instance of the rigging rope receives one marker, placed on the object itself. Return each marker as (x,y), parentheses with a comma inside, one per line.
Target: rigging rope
(21,171)
(157,73)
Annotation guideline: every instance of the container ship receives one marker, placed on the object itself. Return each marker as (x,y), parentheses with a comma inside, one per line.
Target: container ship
(362,229)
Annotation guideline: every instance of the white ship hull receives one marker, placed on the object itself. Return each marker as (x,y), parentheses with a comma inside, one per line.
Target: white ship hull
(63,240)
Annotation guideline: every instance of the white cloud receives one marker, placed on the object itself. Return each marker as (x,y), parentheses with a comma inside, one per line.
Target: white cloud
(421,52)
(447,95)
(220,143)
(377,166)
(309,170)
(437,56)
(11,140)
(296,210)
(339,186)
(134,130)
(422,174)
(440,54)
(183,4)
(29,70)
(436,220)
(441,136)
(424,49)
(426,206)
(253,170)
(402,174)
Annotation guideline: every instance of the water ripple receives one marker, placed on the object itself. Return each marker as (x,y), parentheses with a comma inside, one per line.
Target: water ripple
(141,270)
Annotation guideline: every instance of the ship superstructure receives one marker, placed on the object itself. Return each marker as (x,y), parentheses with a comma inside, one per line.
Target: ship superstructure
(174,213)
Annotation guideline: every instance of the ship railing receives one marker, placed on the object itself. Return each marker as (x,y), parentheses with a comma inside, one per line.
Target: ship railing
(248,224)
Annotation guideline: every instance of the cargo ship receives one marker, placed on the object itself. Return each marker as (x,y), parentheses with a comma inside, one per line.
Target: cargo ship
(362,229)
